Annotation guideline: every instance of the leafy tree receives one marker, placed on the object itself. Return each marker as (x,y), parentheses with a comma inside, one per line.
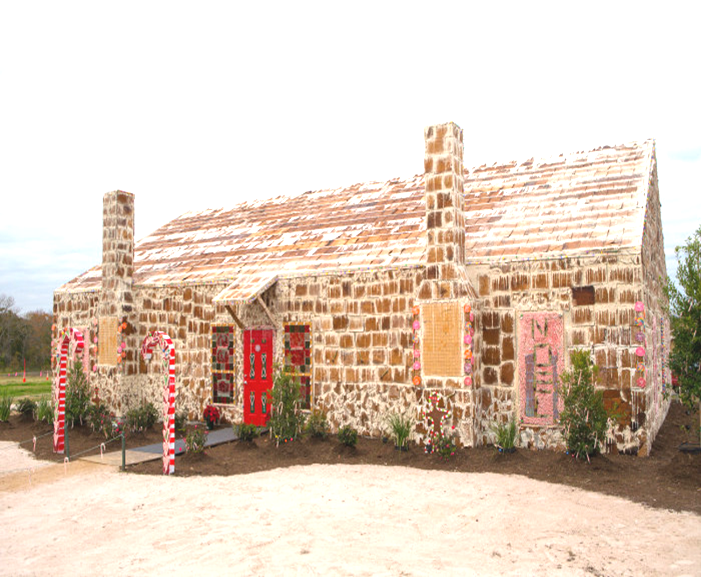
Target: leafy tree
(685,317)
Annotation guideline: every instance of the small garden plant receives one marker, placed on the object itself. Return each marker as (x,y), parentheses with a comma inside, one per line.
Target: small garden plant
(506,436)
(26,408)
(100,420)
(400,425)
(317,426)
(584,418)
(141,418)
(348,436)
(5,406)
(195,441)
(445,446)
(286,420)
(246,432)
(211,416)
(44,411)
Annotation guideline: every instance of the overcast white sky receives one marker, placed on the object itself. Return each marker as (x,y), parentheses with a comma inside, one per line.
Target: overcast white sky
(205,104)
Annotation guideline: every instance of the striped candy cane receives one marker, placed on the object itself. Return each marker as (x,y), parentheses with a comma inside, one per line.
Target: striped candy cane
(67,337)
(168,348)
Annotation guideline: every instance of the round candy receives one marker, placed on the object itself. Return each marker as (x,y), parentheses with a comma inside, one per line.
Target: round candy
(468,381)
(468,354)
(640,352)
(416,310)
(416,326)
(468,308)
(641,382)
(468,339)
(472,317)
(417,354)
(639,306)
(417,380)
(417,366)
(468,368)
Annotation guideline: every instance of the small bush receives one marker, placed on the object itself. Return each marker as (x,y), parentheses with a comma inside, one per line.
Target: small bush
(246,432)
(348,436)
(5,406)
(584,416)
(180,421)
(44,410)
(317,426)
(286,419)
(506,435)
(141,418)
(445,446)
(195,440)
(400,426)
(77,395)
(100,420)
(26,408)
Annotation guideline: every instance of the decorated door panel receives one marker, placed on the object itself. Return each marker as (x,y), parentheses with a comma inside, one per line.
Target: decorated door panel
(257,375)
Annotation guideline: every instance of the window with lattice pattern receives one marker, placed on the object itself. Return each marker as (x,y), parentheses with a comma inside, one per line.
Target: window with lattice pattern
(298,358)
(223,363)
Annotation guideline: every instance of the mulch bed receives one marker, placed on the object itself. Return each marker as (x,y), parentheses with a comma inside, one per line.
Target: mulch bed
(667,479)
(82,441)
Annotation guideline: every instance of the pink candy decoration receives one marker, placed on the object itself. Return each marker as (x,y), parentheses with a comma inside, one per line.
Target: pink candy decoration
(417,366)
(468,381)
(417,354)
(416,325)
(639,307)
(641,382)
(472,317)
(95,340)
(94,368)
(468,339)
(640,352)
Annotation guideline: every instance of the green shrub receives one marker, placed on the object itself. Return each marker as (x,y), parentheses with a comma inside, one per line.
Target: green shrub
(77,395)
(348,436)
(445,446)
(180,421)
(317,425)
(26,408)
(141,418)
(246,431)
(286,419)
(584,418)
(5,406)
(506,435)
(195,440)
(400,426)
(44,410)
(100,420)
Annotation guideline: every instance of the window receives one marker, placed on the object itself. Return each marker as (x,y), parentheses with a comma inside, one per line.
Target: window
(583,295)
(298,358)
(223,355)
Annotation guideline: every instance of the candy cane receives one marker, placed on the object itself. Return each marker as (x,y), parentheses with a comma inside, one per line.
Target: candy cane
(168,348)
(67,336)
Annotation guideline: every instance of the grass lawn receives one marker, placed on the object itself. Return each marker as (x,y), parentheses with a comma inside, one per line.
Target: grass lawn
(34,387)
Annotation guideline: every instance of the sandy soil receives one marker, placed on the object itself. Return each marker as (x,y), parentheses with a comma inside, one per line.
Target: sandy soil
(329,520)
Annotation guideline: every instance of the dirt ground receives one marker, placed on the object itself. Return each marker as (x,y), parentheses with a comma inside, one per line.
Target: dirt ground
(315,508)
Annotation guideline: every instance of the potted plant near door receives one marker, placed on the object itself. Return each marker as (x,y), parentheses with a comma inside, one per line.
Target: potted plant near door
(211,416)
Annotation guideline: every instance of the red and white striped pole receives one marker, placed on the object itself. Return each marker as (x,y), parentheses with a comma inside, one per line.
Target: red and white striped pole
(64,342)
(168,348)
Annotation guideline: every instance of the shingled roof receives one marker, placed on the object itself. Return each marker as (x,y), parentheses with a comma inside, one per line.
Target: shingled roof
(571,204)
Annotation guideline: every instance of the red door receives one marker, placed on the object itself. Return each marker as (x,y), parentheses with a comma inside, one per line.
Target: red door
(257,375)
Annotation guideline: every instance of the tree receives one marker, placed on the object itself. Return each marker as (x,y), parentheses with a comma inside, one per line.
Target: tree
(685,317)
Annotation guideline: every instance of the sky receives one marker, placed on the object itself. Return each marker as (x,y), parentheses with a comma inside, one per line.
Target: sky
(204,105)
